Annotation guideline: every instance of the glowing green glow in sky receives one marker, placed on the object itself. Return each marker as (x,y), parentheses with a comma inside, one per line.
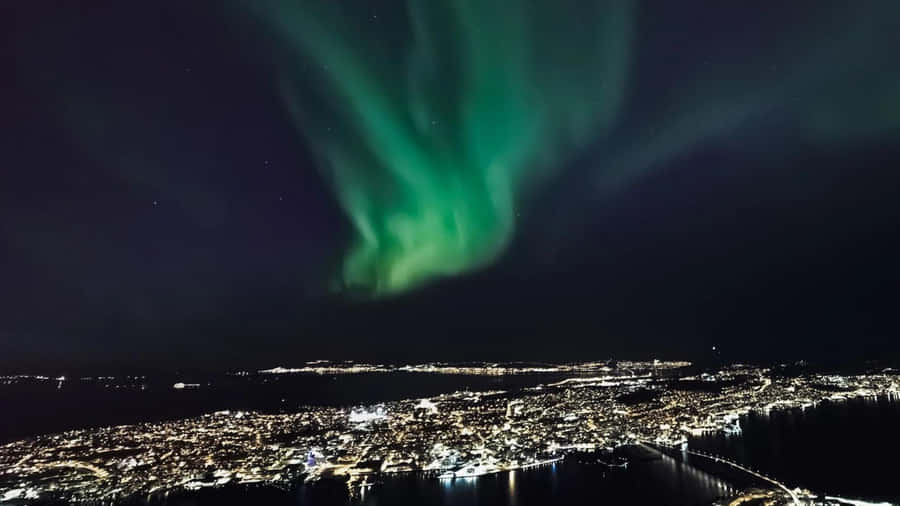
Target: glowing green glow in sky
(434,122)
(432,127)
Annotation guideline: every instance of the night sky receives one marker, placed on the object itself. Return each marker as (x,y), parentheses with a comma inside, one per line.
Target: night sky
(225,184)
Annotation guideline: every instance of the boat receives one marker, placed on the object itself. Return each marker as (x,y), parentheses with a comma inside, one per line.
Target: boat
(476,470)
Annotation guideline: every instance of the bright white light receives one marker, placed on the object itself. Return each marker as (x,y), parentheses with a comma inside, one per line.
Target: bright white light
(363,416)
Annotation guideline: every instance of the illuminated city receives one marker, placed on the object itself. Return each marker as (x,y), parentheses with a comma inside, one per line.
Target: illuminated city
(452,436)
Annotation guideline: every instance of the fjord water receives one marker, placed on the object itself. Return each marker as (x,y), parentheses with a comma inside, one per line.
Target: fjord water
(44,407)
(846,448)
(664,481)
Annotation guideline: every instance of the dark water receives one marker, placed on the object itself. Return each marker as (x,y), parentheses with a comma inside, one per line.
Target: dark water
(658,482)
(42,407)
(847,449)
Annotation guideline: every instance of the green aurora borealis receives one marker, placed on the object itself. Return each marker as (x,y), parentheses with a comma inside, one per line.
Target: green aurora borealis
(431,147)
(435,125)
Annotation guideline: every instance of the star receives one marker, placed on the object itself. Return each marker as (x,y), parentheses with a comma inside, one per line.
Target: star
(155,203)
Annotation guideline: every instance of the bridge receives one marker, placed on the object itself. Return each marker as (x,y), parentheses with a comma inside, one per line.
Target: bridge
(723,460)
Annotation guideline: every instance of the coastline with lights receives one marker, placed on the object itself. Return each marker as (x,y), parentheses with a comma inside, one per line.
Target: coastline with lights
(456,435)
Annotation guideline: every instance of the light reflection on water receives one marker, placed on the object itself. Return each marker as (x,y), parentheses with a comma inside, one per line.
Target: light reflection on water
(513,500)
(834,447)
(659,482)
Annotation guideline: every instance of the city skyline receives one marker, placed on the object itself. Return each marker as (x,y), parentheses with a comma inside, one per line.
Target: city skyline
(459,435)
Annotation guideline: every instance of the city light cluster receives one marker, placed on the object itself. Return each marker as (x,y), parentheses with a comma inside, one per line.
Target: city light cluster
(449,436)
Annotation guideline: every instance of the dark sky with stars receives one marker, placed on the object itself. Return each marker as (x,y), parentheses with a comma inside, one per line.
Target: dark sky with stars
(163,203)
